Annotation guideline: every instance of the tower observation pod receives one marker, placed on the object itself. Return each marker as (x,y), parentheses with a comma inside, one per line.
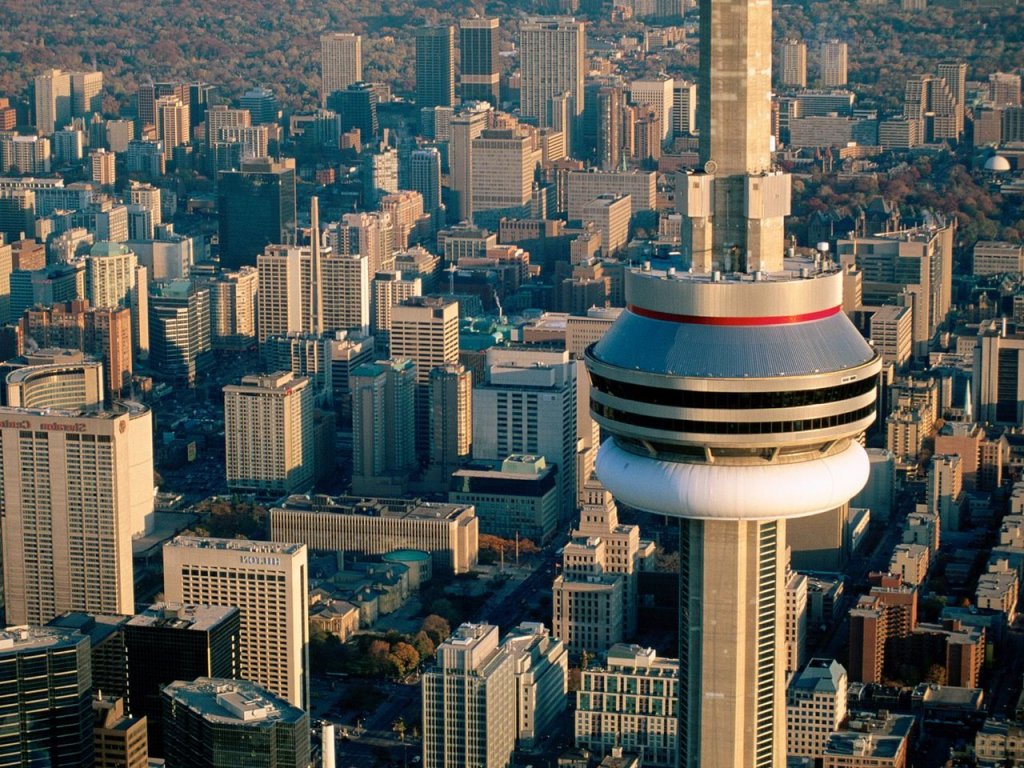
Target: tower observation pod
(734,402)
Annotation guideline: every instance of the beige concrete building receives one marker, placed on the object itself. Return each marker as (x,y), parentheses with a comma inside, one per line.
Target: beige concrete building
(233,310)
(586,186)
(815,707)
(631,703)
(552,55)
(341,62)
(582,331)
(871,743)
(465,128)
(541,672)
(74,384)
(793,64)
(588,601)
(77,487)
(504,162)
(121,740)
(833,64)
(610,214)
(451,419)
(656,93)
(891,329)
(910,562)
(425,329)
(268,433)
(285,291)
(103,170)
(796,621)
(999,743)
(172,123)
(469,702)
(269,584)
(450,532)
(944,491)
(999,588)
(994,258)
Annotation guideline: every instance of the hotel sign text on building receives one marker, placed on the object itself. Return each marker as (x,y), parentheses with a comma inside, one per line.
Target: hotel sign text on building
(259,560)
(48,427)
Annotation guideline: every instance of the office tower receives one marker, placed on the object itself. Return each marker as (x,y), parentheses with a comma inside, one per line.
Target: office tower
(793,64)
(356,105)
(268,427)
(726,483)
(106,648)
(54,283)
(643,719)
(541,672)
(504,163)
(601,130)
(366,234)
(285,291)
(585,186)
(78,487)
(450,390)
(172,123)
(120,740)
(110,277)
(435,66)
(383,426)
(425,330)
(425,178)
(657,94)
(179,326)
(815,707)
(268,583)
(346,292)
(213,723)
(341,62)
(262,104)
(945,491)
(479,65)
(466,126)
(67,146)
(516,497)
(69,383)
(52,100)
(832,64)
(256,206)
(389,289)
(86,93)
(552,52)
(48,706)
(407,217)
(469,702)
(449,532)
(684,108)
(171,641)
(222,116)
(526,404)
(29,154)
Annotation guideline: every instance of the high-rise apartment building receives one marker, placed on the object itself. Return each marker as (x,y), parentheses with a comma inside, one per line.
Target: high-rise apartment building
(341,62)
(832,64)
(52,101)
(526,404)
(450,394)
(256,206)
(793,64)
(346,292)
(383,426)
(179,324)
(388,290)
(268,430)
(285,291)
(48,707)
(29,154)
(1004,89)
(630,703)
(189,641)
(269,584)
(103,170)
(435,66)
(173,123)
(86,93)
(609,214)
(479,65)
(233,308)
(77,487)
(469,702)
(552,54)
(955,75)
(208,720)
(541,674)
(684,108)
(425,178)
(932,100)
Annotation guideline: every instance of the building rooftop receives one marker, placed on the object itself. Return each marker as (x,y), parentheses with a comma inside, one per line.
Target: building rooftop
(97,626)
(377,507)
(820,676)
(232,702)
(26,638)
(871,737)
(237,545)
(200,618)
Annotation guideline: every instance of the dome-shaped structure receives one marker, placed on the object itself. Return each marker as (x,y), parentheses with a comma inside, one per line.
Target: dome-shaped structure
(997,164)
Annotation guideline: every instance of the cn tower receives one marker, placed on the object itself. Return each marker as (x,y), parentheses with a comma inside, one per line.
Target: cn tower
(734,391)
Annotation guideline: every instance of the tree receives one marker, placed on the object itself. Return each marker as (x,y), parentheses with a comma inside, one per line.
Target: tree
(436,628)
(423,644)
(404,657)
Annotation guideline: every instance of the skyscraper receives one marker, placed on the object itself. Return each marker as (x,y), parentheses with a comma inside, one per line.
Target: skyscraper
(341,62)
(469,702)
(356,104)
(793,64)
(425,178)
(48,705)
(77,487)
(656,93)
(383,426)
(86,93)
(269,584)
(735,442)
(435,66)
(552,51)
(257,208)
(451,419)
(832,64)
(179,321)
(465,127)
(479,67)
(52,101)
(173,123)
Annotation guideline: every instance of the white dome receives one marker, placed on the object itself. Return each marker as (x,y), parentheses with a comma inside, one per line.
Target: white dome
(997,164)
(732,492)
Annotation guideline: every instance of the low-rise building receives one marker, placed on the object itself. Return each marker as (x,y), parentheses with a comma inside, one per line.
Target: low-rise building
(870,742)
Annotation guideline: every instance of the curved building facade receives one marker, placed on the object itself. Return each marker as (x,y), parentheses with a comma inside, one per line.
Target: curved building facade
(735,402)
